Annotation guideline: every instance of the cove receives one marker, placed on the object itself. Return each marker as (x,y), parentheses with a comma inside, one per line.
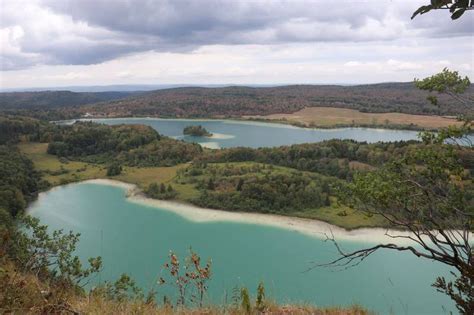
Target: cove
(233,133)
(135,239)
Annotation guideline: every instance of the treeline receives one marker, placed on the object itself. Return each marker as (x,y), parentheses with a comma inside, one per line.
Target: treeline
(55,99)
(12,128)
(257,188)
(19,182)
(331,158)
(198,131)
(87,138)
(339,158)
(230,101)
(16,128)
(238,101)
(132,145)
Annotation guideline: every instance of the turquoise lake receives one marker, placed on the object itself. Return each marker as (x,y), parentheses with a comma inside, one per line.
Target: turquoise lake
(231,133)
(136,239)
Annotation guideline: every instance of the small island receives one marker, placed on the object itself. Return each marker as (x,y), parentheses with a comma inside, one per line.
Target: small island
(197,131)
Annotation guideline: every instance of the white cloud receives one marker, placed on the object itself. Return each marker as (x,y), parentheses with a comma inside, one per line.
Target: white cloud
(59,42)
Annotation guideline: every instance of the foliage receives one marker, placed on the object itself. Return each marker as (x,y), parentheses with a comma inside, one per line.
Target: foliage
(245,298)
(132,145)
(260,301)
(114,169)
(19,182)
(123,289)
(241,101)
(434,202)
(157,191)
(48,255)
(197,131)
(455,7)
(257,187)
(14,127)
(191,273)
(429,193)
(54,99)
(446,82)
(86,138)
(338,158)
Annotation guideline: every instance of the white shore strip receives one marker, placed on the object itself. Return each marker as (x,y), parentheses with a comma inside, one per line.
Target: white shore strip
(314,228)
(210,145)
(221,136)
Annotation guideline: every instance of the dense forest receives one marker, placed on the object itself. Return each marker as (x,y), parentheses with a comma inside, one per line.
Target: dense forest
(133,145)
(19,182)
(238,101)
(197,131)
(233,101)
(55,99)
(257,187)
(338,158)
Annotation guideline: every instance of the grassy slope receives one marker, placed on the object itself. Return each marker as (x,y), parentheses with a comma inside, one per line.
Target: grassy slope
(26,291)
(51,166)
(331,117)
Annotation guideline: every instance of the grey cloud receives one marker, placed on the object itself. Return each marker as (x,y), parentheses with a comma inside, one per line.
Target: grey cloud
(183,25)
(183,19)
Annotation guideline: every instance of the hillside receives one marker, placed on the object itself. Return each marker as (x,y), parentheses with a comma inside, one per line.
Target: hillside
(55,99)
(239,101)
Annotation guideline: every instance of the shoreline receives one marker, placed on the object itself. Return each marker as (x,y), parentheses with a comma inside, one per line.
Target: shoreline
(249,121)
(308,227)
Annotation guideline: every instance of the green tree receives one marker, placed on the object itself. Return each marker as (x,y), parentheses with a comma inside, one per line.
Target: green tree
(162,188)
(48,255)
(114,169)
(210,184)
(429,194)
(240,184)
(455,7)
(260,301)
(446,82)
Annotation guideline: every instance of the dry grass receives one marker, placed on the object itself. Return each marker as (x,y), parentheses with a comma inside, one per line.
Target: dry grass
(330,116)
(23,293)
(100,306)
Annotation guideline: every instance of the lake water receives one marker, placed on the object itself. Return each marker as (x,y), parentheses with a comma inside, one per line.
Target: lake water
(136,239)
(231,133)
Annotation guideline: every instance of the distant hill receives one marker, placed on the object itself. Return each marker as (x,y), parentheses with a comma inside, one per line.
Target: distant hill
(238,100)
(55,99)
(124,87)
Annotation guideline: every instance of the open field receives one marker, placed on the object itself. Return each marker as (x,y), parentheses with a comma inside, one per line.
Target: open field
(56,171)
(332,117)
(343,216)
(60,171)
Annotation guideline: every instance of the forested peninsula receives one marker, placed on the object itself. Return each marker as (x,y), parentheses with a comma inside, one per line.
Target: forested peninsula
(304,180)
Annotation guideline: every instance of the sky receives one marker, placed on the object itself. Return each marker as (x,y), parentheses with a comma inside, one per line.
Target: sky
(54,43)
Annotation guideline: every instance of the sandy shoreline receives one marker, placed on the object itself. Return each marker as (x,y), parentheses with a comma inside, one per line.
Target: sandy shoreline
(308,227)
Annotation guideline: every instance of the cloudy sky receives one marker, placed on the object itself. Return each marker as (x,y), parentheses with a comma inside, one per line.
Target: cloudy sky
(46,43)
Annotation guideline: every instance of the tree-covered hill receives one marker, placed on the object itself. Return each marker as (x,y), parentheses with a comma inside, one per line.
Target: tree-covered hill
(238,101)
(234,101)
(55,99)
